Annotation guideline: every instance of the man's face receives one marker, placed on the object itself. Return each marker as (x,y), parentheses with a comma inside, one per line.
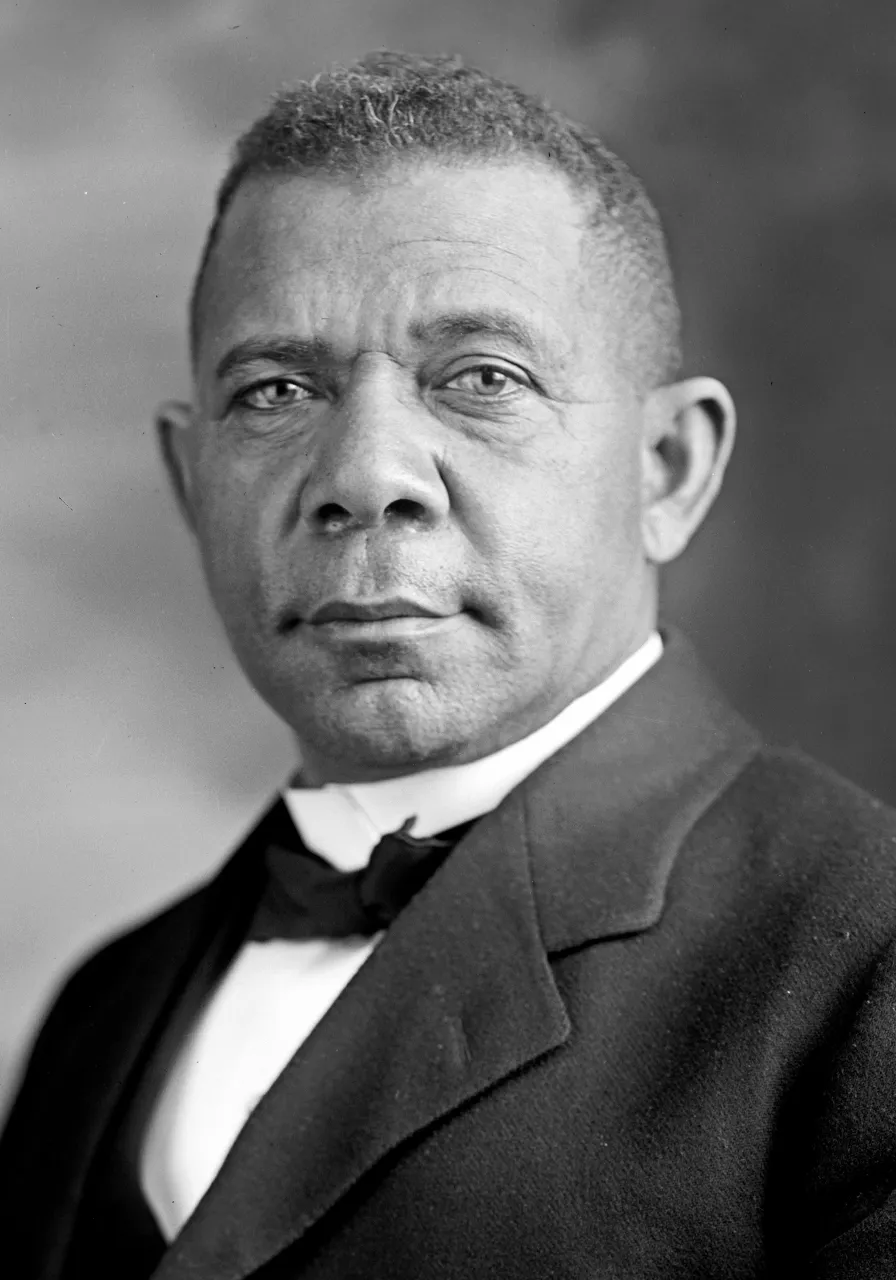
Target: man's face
(407,402)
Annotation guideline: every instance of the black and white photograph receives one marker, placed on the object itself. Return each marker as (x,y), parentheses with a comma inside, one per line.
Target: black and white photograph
(447,664)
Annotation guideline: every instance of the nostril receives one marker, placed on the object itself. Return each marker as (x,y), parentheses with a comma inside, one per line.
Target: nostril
(334,518)
(405,509)
(332,515)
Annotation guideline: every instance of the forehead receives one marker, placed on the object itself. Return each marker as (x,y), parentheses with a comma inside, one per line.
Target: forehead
(364,262)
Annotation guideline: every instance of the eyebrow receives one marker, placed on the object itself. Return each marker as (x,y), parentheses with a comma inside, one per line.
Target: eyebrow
(290,351)
(467,324)
(275,348)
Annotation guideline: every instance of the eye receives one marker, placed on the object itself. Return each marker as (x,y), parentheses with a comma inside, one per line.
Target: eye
(273,393)
(488,381)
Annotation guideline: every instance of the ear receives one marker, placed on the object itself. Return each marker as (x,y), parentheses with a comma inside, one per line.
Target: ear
(689,434)
(174,422)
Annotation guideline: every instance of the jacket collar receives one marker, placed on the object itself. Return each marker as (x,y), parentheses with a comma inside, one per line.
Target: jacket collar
(460,993)
(605,817)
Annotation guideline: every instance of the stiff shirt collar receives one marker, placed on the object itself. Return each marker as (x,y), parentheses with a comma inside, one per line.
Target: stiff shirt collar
(344,821)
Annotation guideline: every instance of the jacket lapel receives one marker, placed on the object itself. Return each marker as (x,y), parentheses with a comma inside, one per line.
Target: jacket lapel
(460,993)
(457,995)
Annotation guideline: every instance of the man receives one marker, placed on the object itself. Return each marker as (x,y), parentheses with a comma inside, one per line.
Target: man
(544,966)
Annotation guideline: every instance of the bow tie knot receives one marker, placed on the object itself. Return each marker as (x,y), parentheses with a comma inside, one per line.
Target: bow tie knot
(306,897)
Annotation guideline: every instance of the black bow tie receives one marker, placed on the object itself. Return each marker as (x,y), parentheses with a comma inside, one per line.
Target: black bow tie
(306,897)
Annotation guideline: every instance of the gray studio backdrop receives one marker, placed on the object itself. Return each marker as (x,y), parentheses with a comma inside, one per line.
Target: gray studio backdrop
(133,752)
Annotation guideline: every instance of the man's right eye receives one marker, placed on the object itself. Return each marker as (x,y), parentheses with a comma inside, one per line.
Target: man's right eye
(272,394)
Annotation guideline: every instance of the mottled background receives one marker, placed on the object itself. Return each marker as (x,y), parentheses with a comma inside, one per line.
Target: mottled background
(133,752)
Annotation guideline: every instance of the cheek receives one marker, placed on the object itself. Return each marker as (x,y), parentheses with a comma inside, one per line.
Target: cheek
(230,541)
(582,522)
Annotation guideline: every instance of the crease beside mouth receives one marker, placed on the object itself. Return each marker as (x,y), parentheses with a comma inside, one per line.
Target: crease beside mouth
(288,623)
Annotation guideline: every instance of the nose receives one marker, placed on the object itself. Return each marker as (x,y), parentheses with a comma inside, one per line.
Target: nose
(374,461)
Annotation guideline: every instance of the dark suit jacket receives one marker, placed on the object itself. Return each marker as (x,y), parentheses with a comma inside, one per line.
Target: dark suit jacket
(642,1023)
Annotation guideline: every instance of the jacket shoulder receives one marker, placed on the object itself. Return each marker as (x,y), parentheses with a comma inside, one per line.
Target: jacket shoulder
(138,952)
(792,794)
(72,1007)
(796,834)
(130,942)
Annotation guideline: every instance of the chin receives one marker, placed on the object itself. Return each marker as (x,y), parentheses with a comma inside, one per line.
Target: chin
(379,728)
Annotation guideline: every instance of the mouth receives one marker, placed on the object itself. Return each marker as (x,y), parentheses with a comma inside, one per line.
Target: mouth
(347,621)
(372,611)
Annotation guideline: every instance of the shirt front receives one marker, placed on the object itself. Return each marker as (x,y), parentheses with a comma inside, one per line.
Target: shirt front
(275,992)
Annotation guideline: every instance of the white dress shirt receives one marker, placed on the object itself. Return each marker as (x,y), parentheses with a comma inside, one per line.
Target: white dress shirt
(275,992)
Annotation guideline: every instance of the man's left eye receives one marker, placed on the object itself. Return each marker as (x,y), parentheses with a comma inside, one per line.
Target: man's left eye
(489,381)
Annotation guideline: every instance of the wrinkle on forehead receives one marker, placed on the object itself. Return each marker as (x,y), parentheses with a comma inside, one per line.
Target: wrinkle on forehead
(310,254)
(483,244)
(490,271)
(507,200)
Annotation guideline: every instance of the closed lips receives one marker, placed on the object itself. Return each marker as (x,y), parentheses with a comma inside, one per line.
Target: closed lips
(371,611)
